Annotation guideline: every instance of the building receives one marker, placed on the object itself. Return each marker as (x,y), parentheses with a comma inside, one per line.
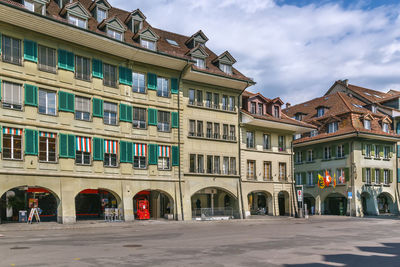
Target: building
(266,136)
(356,144)
(97,106)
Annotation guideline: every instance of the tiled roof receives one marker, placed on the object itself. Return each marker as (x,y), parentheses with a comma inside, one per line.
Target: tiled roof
(163,46)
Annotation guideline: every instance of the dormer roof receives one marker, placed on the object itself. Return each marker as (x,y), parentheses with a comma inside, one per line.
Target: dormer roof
(113,23)
(148,33)
(198,51)
(137,15)
(77,9)
(102,3)
(198,37)
(277,100)
(225,58)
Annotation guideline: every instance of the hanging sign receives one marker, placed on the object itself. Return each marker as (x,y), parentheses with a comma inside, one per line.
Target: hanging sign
(300,195)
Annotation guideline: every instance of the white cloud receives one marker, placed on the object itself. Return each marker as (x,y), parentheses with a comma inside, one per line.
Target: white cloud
(292,52)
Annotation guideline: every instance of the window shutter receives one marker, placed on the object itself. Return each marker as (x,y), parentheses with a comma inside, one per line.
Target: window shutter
(347,174)
(0,79)
(30,50)
(66,60)
(380,151)
(398,128)
(70,61)
(398,151)
(390,176)
(363,148)
(303,178)
(373,151)
(31,95)
(151,81)
(346,149)
(333,151)
(31,142)
(66,101)
(122,156)
(364,174)
(174,86)
(71,146)
(63,146)
(175,156)
(125,113)
(153,157)
(97,107)
(315,177)
(126,152)
(98,148)
(391,151)
(0,43)
(381,176)
(125,76)
(129,152)
(373,175)
(398,174)
(174,119)
(152,116)
(97,68)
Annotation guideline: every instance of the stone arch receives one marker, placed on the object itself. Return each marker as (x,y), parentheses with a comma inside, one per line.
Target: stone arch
(310,201)
(159,204)
(266,201)
(367,204)
(335,204)
(385,203)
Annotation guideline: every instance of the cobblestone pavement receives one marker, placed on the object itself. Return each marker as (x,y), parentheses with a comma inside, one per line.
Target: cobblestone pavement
(273,241)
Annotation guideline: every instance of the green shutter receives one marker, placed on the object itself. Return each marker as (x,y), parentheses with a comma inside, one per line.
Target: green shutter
(66,101)
(398,175)
(303,178)
(98,148)
(153,157)
(364,174)
(151,81)
(373,150)
(380,151)
(174,86)
(381,176)
(125,113)
(71,146)
(31,142)
(66,60)
(398,146)
(0,79)
(97,68)
(175,156)
(0,43)
(333,151)
(390,176)
(315,177)
(97,107)
(125,76)
(373,175)
(30,50)
(347,174)
(346,149)
(63,145)
(152,114)
(122,151)
(363,148)
(175,119)
(129,152)
(1,129)
(31,95)
(126,152)
(391,151)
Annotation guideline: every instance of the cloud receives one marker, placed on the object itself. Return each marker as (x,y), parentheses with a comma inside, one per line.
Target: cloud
(292,52)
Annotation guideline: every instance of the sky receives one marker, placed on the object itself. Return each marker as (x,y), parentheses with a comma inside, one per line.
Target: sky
(294,49)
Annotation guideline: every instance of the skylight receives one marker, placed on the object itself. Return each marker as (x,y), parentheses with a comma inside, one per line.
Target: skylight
(367,93)
(357,106)
(172,42)
(377,96)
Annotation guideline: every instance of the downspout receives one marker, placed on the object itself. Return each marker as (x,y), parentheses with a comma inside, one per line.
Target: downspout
(352,163)
(294,199)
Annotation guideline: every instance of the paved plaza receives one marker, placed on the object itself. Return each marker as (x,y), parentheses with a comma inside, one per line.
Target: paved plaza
(271,241)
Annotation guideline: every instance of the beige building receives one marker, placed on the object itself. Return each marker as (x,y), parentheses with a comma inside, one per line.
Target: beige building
(266,136)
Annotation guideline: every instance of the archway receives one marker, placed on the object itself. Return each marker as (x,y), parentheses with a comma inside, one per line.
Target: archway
(366,205)
(23,198)
(385,203)
(283,203)
(260,203)
(214,203)
(335,204)
(90,204)
(153,204)
(309,200)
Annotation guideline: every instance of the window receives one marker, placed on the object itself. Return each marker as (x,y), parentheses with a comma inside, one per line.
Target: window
(12,143)
(138,84)
(377,176)
(12,95)
(232,103)
(225,128)
(232,166)
(47,102)
(162,87)
(200,164)
(299,157)
(199,62)
(47,59)
(310,178)
(209,133)
(192,127)
(209,164)
(282,171)
(101,14)
(250,140)
(367,124)
(332,127)
(192,163)
(83,150)
(320,112)
(253,108)
(199,98)
(114,34)
(386,152)
(139,156)
(260,109)
(82,108)
(340,176)
(148,44)
(251,168)
(82,68)
(164,157)
(327,152)
(298,116)
(296,136)
(313,133)
(225,102)
(340,151)
(191,96)
(200,129)
(298,179)
(281,143)
(47,147)
(110,113)
(216,101)
(216,131)
(368,151)
(267,170)
(277,113)
(79,22)
(368,175)
(373,109)
(110,153)
(386,176)
(377,151)
(385,127)
(225,68)
(137,26)
(110,75)
(163,124)
(171,42)
(11,50)
(310,155)
(217,169)
(139,118)
(266,141)
(225,165)
(208,99)
(232,132)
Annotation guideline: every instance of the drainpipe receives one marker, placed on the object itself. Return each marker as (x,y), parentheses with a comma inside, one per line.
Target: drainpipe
(294,198)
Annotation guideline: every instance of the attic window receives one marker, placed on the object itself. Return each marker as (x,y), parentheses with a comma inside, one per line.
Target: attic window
(114,34)
(333,127)
(373,109)
(277,112)
(101,14)
(225,68)
(35,6)
(385,127)
(137,25)
(367,124)
(367,93)
(320,111)
(79,22)
(377,96)
(172,42)
(199,62)
(62,3)
(148,44)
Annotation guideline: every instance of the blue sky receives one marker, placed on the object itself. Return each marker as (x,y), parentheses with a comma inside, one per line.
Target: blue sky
(292,49)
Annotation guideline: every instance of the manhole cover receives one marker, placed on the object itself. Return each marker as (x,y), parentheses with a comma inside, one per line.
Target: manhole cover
(20,248)
(132,246)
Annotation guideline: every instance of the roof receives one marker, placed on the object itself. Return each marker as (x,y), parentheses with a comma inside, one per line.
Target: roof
(180,51)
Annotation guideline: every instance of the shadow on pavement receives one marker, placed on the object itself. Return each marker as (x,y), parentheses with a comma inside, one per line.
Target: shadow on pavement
(390,257)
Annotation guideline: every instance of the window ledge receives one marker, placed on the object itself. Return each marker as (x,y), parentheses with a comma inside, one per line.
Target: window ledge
(212,139)
(326,159)
(377,158)
(386,159)
(313,161)
(211,175)
(48,162)
(367,157)
(212,109)
(338,158)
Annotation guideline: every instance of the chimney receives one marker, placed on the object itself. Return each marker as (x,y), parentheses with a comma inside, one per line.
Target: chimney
(288,105)
(346,82)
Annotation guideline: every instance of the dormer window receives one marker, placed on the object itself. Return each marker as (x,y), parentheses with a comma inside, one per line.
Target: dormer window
(137,25)
(260,109)
(367,124)
(79,22)
(35,6)
(199,62)
(333,127)
(62,3)
(114,34)
(320,111)
(385,127)
(225,68)
(313,133)
(148,44)
(253,108)
(298,116)
(101,14)
(277,113)
(373,109)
